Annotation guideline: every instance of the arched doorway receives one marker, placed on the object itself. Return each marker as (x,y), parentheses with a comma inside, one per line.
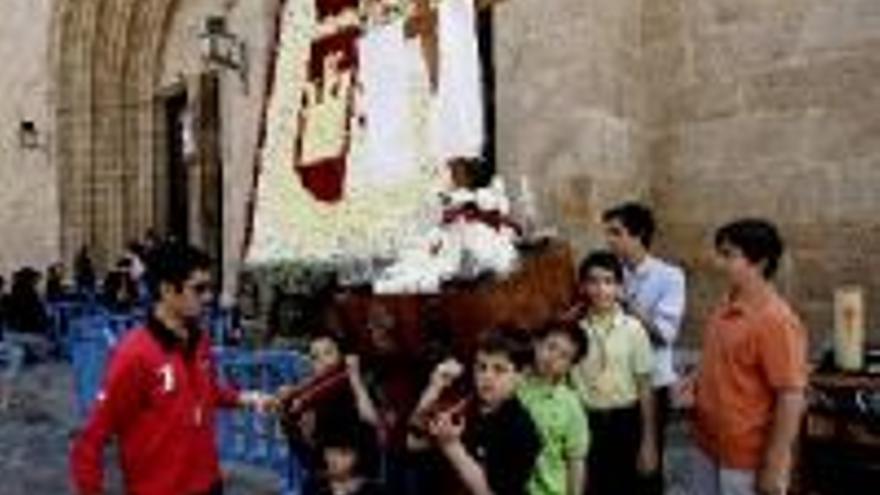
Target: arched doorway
(115,148)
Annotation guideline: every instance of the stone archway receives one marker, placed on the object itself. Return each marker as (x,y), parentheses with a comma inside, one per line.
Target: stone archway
(107,55)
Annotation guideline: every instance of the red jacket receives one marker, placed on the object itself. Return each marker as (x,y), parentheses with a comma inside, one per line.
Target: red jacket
(158,400)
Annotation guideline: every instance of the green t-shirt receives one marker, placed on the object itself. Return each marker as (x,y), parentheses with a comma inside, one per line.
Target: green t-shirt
(562,425)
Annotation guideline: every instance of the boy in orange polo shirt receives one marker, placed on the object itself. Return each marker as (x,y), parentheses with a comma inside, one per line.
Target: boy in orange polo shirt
(749,388)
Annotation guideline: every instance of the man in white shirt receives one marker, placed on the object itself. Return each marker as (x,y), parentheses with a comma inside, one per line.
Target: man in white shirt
(654,292)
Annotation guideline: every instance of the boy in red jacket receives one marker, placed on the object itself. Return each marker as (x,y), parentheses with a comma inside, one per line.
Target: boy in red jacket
(160,393)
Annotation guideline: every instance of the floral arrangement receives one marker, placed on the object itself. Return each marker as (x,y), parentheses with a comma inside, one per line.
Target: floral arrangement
(475,236)
(355,144)
(310,202)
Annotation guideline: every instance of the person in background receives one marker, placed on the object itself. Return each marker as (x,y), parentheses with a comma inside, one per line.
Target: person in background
(120,291)
(84,272)
(55,286)
(11,357)
(654,292)
(160,393)
(24,310)
(3,296)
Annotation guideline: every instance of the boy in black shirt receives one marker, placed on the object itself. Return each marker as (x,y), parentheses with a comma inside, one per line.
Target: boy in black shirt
(493,451)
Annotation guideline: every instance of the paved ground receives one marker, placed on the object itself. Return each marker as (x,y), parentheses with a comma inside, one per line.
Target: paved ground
(35,433)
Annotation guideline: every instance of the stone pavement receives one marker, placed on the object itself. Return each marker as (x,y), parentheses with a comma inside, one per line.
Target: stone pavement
(35,434)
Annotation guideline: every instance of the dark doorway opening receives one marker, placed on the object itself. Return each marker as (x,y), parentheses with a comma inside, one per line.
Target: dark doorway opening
(485,36)
(177,183)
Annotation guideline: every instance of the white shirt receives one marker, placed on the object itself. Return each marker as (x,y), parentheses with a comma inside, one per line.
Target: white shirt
(657,289)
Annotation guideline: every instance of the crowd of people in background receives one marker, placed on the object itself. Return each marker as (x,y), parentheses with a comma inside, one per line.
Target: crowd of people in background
(26,323)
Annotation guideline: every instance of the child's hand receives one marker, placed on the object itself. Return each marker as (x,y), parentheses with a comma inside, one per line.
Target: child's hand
(771,480)
(684,392)
(260,402)
(284,393)
(446,428)
(353,364)
(295,407)
(648,460)
(307,424)
(446,373)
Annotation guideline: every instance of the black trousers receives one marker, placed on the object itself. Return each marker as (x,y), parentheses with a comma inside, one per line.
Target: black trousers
(611,463)
(216,489)
(656,483)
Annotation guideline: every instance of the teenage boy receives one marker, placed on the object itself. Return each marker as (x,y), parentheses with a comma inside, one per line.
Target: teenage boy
(160,393)
(653,292)
(749,386)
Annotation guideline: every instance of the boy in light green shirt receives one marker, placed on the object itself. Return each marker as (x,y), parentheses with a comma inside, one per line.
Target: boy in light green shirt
(614,383)
(557,412)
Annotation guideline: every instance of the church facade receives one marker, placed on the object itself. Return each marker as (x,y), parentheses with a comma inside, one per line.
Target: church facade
(114,123)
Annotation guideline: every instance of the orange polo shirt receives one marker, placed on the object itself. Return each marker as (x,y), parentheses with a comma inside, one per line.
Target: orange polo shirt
(750,352)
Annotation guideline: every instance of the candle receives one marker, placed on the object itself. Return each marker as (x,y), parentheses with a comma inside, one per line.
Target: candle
(527,200)
(849,327)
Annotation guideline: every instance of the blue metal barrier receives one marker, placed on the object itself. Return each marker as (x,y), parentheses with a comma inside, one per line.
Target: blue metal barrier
(253,438)
(92,337)
(63,315)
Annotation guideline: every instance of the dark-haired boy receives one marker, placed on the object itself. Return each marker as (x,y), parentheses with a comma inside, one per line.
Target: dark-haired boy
(653,292)
(494,450)
(557,411)
(160,393)
(614,383)
(750,384)
(345,454)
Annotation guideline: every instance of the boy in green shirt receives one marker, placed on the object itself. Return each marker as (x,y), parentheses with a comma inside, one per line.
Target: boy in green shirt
(557,412)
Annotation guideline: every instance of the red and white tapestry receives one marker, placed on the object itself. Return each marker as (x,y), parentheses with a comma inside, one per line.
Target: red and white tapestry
(352,151)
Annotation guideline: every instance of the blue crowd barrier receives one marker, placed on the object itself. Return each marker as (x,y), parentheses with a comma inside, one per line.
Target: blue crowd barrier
(93,336)
(252,438)
(63,315)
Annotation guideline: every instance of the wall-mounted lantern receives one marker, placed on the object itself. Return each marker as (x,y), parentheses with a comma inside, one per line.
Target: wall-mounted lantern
(28,135)
(224,49)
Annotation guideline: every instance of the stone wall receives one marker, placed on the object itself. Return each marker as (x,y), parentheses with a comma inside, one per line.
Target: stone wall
(570,106)
(29,218)
(710,110)
(769,108)
(240,101)
(116,61)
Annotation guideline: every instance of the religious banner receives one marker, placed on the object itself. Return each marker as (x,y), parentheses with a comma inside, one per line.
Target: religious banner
(355,137)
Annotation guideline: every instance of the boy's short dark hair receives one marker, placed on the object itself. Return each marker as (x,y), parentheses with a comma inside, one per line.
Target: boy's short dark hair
(636,218)
(342,343)
(173,263)
(510,342)
(758,240)
(570,330)
(356,437)
(603,259)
